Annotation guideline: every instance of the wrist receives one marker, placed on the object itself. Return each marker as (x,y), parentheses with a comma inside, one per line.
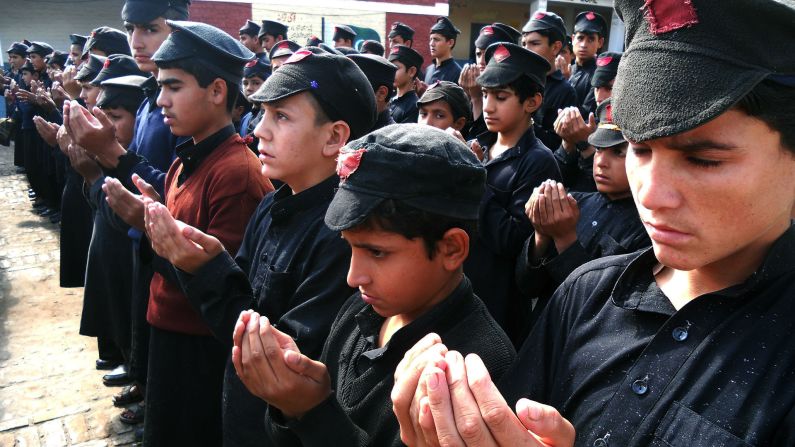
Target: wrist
(110,159)
(562,243)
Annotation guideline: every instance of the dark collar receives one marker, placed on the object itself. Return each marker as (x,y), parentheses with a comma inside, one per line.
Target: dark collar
(192,155)
(286,204)
(591,64)
(487,139)
(636,287)
(151,90)
(555,75)
(445,62)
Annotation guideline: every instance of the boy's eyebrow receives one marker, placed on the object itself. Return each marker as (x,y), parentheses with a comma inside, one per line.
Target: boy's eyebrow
(366,246)
(700,145)
(169,81)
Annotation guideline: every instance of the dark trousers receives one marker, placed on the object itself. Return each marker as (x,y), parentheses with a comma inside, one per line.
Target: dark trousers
(108,350)
(183,390)
(139,334)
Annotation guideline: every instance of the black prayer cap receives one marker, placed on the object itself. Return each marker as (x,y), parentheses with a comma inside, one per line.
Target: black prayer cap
(681,68)
(373,47)
(445,27)
(108,40)
(490,34)
(606,69)
(545,20)
(90,68)
(407,56)
(144,11)
(57,58)
(418,165)
(273,28)
(250,28)
(347,51)
(117,65)
(313,41)
(329,49)
(18,48)
(283,48)
(215,50)
(607,133)
(341,88)
(452,94)
(344,32)
(590,22)
(77,39)
(378,70)
(123,91)
(256,67)
(28,66)
(511,31)
(40,48)
(402,30)
(509,61)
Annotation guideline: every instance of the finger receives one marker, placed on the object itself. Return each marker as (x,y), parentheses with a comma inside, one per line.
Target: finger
(545,423)
(208,243)
(468,420)
(591,121)
(544,209)
(305,366)
(441,407)
(425,342)
(145,188)
(426,425)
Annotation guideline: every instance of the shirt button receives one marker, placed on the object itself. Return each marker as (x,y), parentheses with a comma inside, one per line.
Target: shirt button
(601,442)
(680,333)
(594,223)
(640,386)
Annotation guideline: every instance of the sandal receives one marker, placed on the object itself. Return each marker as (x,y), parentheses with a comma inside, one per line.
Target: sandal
(133,415)
(129,395)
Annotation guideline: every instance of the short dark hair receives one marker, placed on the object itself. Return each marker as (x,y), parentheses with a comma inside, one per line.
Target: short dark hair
(395,216)
(552,36)
(524,87)
(774,104)
(204,78)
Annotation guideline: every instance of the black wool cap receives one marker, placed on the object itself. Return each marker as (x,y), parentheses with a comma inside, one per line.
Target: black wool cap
(681,68)
(90,68)
(372,47)
(418,165)
(606,69)
(402,30)
(40,48)
(344,32)
(511,31)
(490,34)
(57,58)
(547,21)
(215,50)
(346,51)
(124,91)
(144,11)
(117,65)
(28,67)
(452,94)
(313,41)
(250,29)
(329,49)
(407,56)
(108,40)
(77,39)
(18,48)
(273,28)
(445,27)
(607,133)
(378,70)
(283,48)
(508,61)
(590,22)
(340,87)
(256,67)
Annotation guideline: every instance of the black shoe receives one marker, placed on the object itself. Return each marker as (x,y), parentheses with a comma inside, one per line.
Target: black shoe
(117,377)
(107,365)
(48,212)
(20,170)
(139,434)
(39,204)
(56,218)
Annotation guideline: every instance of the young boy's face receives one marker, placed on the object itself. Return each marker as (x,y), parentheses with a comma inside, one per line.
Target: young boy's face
(609,171)
(123,124)
(398,40)
(394,274)
(539,44)
(145,39)
(184,102)
(440,46)
(89,94)
(712,196)
(250,42)
(277,62)
(438,114)
(28,76)
(290,141)
(75,53)
(268,42)
(502,110)
(38,61)
(343,43)
(604,92)
(586,45)
(251,85)
(480,58)
(16,60)
(402,76)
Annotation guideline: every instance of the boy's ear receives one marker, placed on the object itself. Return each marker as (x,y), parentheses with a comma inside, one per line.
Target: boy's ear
(217,91)
(532,103)
(338,135)
(412,72)
(459,123)
(556,47)
(453,248)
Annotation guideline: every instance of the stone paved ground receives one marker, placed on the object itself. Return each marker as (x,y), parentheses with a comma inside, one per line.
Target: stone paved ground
(50,393)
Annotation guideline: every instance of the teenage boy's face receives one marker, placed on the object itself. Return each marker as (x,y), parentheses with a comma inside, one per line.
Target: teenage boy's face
(145,39)
(436,114)
(539,44)
(27,77)
(183,101)
(480,58)
(343,43)
(398,40)
(502,110)
(75,53)
(289,139)
(402,77)
(249,42)
(251,85)
(89,94)
(440,46)
(277,62)
(123,124)
(394,274)
(16,60)
(708,198)
(38,61)
(604,92)
(609,171)
(586,45)
(268,42)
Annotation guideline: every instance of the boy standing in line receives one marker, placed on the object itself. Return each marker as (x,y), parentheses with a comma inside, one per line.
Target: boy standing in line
(442,41)
(408,62)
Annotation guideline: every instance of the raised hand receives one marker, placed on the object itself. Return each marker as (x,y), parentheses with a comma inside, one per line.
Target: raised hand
(94,133)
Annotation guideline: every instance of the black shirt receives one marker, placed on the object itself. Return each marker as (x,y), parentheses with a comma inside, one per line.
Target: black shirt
(404,108)
(615,358)
(577,171)
(290,268)
(581,81)
(558,94)
(192,154)
(449,70)
(384,119)
(359,412)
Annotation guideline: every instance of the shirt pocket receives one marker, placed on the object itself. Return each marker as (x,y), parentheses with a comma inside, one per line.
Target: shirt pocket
(683,427)
(277,292)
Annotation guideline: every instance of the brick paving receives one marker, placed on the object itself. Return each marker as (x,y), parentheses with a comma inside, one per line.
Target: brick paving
(50,393)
